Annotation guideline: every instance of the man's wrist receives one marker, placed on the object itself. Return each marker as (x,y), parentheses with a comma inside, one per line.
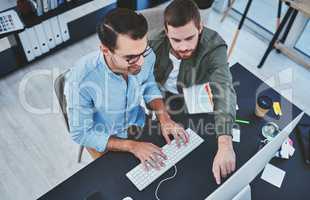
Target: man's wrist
(129,145)
(158,106)
(117,144)
(224,141)
(163,117)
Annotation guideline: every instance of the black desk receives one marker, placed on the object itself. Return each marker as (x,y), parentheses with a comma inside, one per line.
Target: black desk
(195,179)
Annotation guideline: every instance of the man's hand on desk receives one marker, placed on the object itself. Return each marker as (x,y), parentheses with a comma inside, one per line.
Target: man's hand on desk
(150,155)
(169,127)
(225,159)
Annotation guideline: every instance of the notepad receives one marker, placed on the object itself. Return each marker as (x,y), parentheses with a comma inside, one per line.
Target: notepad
(198,99)
(273,175)
(236,135)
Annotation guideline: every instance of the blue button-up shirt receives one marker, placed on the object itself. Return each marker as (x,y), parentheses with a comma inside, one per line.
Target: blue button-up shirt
(101,103)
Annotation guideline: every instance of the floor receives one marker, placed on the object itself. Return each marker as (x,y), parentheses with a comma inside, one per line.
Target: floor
(37,152)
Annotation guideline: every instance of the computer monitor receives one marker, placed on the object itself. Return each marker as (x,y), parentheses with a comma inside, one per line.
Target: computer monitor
(237,186)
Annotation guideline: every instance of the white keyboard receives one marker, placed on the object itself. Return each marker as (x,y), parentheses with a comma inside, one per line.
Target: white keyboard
(141,178)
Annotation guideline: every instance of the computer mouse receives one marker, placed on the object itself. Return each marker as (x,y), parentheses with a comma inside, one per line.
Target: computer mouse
(127,198)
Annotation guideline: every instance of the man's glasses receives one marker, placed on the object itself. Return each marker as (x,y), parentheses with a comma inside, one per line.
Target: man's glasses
(132,59)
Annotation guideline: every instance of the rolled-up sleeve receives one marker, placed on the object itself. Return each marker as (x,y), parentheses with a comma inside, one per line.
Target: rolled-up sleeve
(224,96)
(150,87)
(80,109)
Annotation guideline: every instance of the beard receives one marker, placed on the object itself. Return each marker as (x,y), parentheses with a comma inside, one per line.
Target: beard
(134,70)
(183,54)
(131,69)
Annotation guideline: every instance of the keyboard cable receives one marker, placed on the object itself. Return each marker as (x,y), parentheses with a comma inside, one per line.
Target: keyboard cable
(166,179)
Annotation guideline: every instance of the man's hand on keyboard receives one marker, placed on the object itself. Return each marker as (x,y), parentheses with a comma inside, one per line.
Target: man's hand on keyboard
(150,155)
(141,179)
(169,127)
(225,160)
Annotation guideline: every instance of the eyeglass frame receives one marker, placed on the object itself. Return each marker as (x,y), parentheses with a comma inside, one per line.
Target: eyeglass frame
(136,58)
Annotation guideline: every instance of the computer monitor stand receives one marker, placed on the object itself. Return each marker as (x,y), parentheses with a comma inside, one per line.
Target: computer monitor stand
(244,194)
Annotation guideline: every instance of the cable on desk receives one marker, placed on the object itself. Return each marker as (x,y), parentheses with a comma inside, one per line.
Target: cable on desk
(166,179)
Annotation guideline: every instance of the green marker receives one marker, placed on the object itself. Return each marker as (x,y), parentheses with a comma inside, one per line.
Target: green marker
(242,121)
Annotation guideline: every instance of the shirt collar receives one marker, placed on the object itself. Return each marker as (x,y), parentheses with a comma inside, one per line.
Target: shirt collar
(105,66)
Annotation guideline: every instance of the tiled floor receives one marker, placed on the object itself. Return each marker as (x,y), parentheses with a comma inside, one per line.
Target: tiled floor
(37,152)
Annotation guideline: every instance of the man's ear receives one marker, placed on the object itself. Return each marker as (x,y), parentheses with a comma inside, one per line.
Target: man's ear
(166,29)
(105,50)
(200,27)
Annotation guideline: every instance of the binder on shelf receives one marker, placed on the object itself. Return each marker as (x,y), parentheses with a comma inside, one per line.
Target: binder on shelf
(56,30)
(49,34)
(56,3)
(25,41)
(63,28)
(41,38)
(39,7)
(45,5)
(34,6)
(34,42)
(53,4)
(60,2)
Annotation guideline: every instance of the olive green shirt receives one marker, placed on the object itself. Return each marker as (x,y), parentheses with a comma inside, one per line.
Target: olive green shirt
(208,64)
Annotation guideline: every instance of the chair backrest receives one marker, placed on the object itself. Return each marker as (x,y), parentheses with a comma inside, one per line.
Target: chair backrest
(155,17)
(59,85)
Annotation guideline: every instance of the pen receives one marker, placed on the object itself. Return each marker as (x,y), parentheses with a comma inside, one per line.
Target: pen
(242,121)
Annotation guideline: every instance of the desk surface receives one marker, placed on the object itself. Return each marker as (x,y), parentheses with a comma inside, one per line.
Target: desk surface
(195,179)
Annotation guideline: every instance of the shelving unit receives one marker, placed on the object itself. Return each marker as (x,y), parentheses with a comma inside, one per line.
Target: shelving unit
(32,19)
(80,27)
(139,4)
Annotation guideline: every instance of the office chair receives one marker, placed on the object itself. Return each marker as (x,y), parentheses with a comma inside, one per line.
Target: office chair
(59,90)
(155,16)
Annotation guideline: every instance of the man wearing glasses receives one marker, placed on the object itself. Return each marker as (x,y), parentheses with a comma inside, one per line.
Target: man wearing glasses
(104,90)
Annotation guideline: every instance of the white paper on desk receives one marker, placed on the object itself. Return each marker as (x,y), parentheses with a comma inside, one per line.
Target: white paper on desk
(198,99)
(273,175)
(236,135)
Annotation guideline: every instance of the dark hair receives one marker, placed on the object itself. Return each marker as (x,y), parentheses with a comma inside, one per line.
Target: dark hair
(180,12)
(121,21)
